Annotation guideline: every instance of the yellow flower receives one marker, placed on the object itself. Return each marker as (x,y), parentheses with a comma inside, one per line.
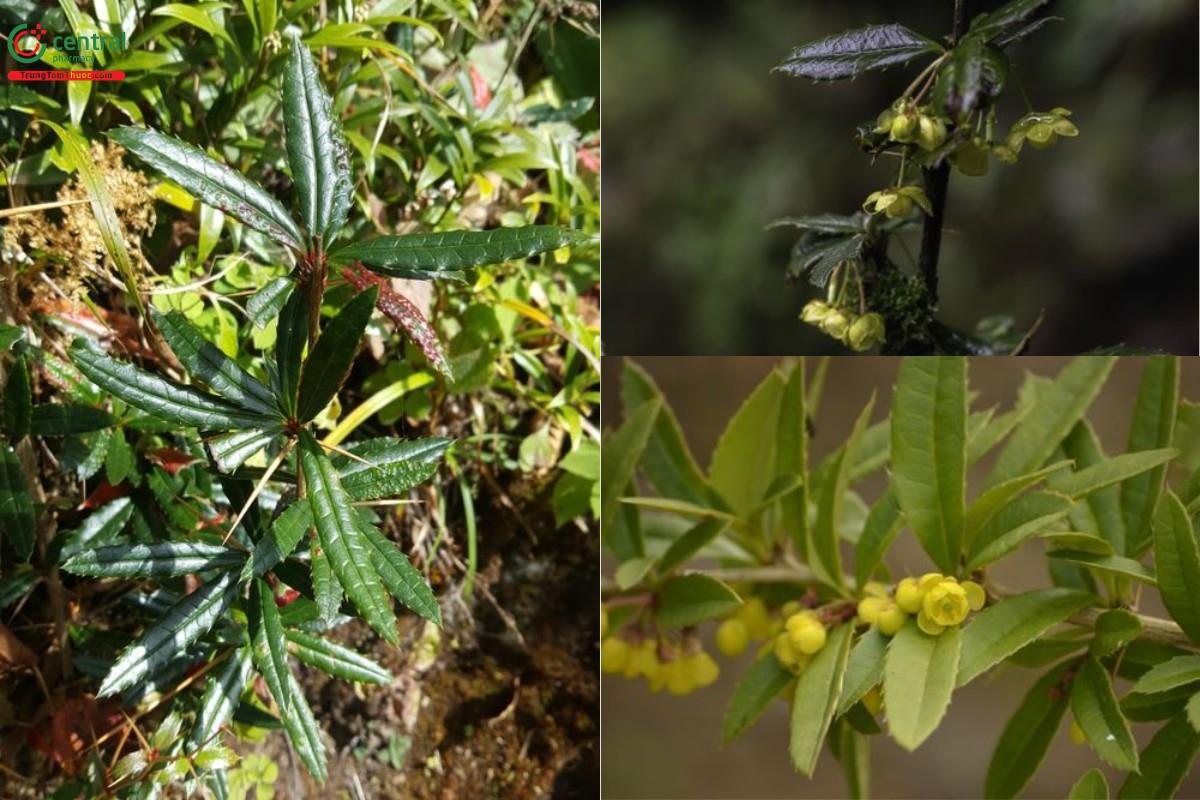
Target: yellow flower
(1041,129)
(614,655)
(835,324)
(643,660)
(931,133)
(701,669)
(866,332)
(815,311)
(975,594)
(891,619)
(732,637)
(758,620)
(870,607)
(946,603)
(972,158)
(678,677)
(897,202)
(875,589)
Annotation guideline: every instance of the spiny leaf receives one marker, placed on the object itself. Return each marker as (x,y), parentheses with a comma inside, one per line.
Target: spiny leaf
(626,445)
(824,223)
(402,311)
(333,354)
(221,698)
(761,684)
(817,690)
(1094,706)
(856,51)
(1177,671)
(1092,785)
(918,680)
(336,660)
(1004,628)
(66,419)
(1027,736)
(743,461)
(231,450)
(824,546)
(883,524)
(1112,471)
(425,256)
(1015,524)
(160,397)
(159,560)
(205,362)
(184,623)
(17,401)
(211,182)
(999,21)
(285,533)
(1178,564)
(817,256)
(315,145)
(343,543)
(265,304)
(865,668)
(690,599)
(16,506)
(1114,629)
(386,467)
(1165,762)
(1153,426)
(791,456)
(401,578)
(326,590)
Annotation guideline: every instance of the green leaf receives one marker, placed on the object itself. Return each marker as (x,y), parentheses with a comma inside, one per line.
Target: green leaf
(220,698)
(1021,520)
(1004,628)
(1114,629)
(196,16)
(824,548)
(347,548)
(918,680)
(961,83)
(16,506)
(326,590)
(265,304)
(211,182)
(160,397)
(1193,711)
(743,461)
(231,450)
(332,356)
(621,453)
(1178,671)
(65,419)
(630,573)
(817,691)
(426,256)
(667,461)
(817,256)
(270,656)
(854,52)
(994,499)
(185,622)
(854,754)
(1100,511)
(285,533)
(823,223)
(336,660)
(883,524)
(989,26)
(1112,471)
(1165,762)
(1092,785)
(1113,565)
(212,367)
(159,560)
(1058,407)
(1153,427)
(17,402)
(690,599)
(690,543)
(291,338)
(401,578)
(1028,734)
(315,145)
(865,668)
(761,684)
(1094,706)
(929,433)
(386,467)
(1178,563)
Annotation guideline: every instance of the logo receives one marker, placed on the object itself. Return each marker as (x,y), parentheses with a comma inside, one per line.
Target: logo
(25,43)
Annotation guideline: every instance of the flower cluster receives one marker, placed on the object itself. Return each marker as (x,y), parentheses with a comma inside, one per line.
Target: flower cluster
(679,667)
(907,123)
(879,609)
(802,637)
(794,635)
(1040,128)
(939,602)
(897,201)
(856,331)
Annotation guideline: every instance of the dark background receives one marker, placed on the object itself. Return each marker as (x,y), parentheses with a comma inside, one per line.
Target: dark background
(704,146)
(661,746)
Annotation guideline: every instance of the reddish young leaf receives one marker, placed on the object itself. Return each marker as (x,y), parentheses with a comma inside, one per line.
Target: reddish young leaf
(105,493)
(479,88)
(170,459)
(401,310)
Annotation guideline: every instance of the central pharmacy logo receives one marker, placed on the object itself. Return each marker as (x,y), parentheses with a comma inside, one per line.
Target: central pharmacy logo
(25,43)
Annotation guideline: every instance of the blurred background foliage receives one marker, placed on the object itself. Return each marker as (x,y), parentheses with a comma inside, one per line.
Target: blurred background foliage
(458,114)
(706,146)
(663,746)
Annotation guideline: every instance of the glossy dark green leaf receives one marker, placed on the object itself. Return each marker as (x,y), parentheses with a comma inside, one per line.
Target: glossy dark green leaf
(856,51)
(326,589)
(169,636)
(1165,762)
(815,699)
(960,85)
(204,362)
(231,450)
(761,684)
(824,223)
(329,362)
(286,532)
(426,256)
(1175,672)
(336,659)
(211,182)
(17,402)
(315,145)
(392,466)
(1114,629)
(1028,734)
(16,505)
(817,256)
(347,548)
(158,560)
(1153,427)
(403,581)
(1094,706)
(220,698)
(290,339)
(265,304)
(1178,564)
(57,419)
(160,397)
(1004,18)
(929,434)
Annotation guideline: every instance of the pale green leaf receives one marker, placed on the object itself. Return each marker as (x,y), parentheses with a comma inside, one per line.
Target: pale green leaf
(1153,426)
(817,690)
(1178,562)
(690,599)
(743,461)
(1094,706)
(1178,671)
(918,680)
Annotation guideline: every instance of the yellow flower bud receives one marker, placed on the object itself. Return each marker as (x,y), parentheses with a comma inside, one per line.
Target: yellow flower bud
(905,126)
(815,311)
(1077,734)
(758,620)
(931,133)
(908,596)
(785,653)
(874,589)
(873,700)
(809,640)
(869,608)
(836,324)
(883,123)
(614,655)
(732,637)
(702,670)
(1041,135)
(976,597)
(801,620)
(866,332)
(891,620)
(678,678)
(972,158)
(946,603)
(643,660)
